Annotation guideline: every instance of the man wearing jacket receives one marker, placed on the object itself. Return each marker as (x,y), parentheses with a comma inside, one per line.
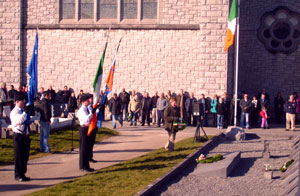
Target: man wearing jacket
(171,114)
(154,109)
(3,97)
(116,108)
(146,108)
(290,108)
(162,104)
(245,105)
(45,111)
(125,98)
(134,108)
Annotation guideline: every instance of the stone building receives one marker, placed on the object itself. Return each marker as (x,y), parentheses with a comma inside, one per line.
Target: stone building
(166,45)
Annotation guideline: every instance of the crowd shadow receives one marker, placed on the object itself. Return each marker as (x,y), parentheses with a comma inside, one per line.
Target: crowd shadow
(116,151)
(58,178)
(19,187)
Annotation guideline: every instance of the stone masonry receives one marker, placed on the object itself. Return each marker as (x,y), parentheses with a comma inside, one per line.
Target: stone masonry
(162,58)
(149,60)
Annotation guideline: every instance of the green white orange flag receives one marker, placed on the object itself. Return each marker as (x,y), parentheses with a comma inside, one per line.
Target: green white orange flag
(97,85)
(231,25)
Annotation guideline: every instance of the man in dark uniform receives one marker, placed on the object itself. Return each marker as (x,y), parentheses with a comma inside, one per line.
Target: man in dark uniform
(146,109)
(84,117)
(20,138)
(171,114)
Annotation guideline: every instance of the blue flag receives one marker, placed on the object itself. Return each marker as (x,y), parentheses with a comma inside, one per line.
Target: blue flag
(32,72)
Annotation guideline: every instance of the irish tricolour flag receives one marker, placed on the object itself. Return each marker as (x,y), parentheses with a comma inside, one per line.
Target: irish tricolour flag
(97,85)
(231,25)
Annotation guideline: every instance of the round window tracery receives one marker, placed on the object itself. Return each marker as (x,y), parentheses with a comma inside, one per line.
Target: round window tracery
(280,30)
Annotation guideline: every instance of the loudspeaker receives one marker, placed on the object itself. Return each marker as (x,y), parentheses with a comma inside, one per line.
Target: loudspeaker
(197,109)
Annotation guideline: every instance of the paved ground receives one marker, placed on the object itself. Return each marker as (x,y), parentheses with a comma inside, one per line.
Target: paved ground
(247,179)
(132,142)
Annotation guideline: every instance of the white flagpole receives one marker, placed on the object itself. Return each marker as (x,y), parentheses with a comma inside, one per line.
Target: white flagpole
(237,60)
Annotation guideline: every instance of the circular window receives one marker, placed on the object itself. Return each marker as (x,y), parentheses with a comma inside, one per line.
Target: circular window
(280,30)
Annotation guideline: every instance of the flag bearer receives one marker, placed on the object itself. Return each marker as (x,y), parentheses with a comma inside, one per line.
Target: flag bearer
(20,138)
(84,117)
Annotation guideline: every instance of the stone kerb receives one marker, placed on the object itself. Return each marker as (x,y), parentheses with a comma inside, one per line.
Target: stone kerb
(159,182)
(221,168)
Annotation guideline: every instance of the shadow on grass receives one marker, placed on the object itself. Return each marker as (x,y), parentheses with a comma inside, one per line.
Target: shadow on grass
(162,158)
(116,151)
(18,186)
(142,167)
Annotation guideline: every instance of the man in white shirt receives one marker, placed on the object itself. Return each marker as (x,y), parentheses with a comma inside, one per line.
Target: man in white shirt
(20,138)
(84,117)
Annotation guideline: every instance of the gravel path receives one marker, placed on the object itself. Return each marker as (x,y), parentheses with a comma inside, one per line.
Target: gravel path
(246,179)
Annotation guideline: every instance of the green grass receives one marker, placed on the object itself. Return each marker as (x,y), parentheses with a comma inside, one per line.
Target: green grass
(59,141)
(125,178)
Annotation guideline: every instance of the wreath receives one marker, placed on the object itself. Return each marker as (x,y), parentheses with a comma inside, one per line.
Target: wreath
(179,125)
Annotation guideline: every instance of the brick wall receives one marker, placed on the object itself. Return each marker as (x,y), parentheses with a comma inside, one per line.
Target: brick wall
(10,42)
(148,59)
(258,67)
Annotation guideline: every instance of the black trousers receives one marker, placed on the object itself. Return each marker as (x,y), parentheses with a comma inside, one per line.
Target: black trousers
(84,148)
(146,115)
(92,139)
(21,149)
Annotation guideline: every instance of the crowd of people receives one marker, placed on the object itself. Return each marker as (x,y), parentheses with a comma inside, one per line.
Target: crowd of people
(134,107)
(218,111)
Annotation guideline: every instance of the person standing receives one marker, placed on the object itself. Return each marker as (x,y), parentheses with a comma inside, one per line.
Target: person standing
(116,108)
(162,104)
(134,108)
(264,118)
(93,134)
(11,96)
(279,103)
(51,91)
(84,117)
(171,114)
(21,138)
(44,109)
(220,113)
(125,99)
(213,109)
(180,102)
(245,105)
(3,98)
(290,108)
(65,99)
(154,108)
(254,115)
(72,103)
(146,108)
(227,103)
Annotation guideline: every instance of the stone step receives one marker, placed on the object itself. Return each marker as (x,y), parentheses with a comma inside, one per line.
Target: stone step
(220,168)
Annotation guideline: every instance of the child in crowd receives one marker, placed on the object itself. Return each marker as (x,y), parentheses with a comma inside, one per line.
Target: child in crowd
(220,112)
(264,116)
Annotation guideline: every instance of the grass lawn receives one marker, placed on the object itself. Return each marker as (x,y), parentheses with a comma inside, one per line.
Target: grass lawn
(125,178)
(59,141)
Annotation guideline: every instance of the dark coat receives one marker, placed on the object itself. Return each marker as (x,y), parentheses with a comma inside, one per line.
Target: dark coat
(246,105)
(146,104)
(65,96)
(115,106)
(290,107)
(72,104)
(53,95)
(171,114)
(43,107)
(154,101)
(221,109)
(125,97)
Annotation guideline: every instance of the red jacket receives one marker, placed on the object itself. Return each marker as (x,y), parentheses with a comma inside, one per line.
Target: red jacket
(263,114)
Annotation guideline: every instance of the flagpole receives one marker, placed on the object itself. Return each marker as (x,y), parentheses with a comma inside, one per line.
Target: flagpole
(237,61)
